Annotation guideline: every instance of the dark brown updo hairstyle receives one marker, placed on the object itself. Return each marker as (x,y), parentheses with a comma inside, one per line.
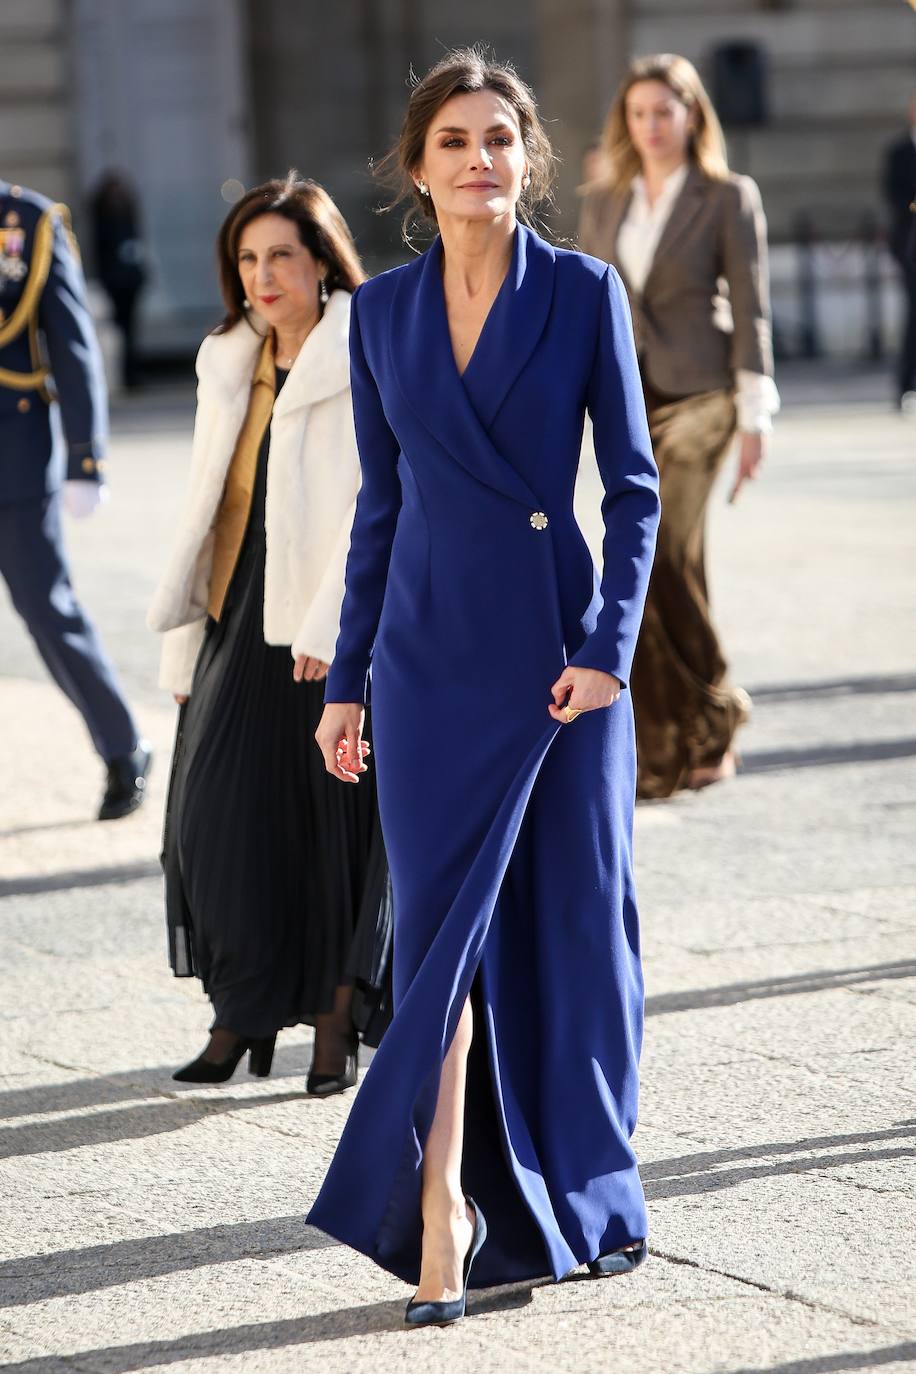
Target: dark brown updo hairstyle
(462,72)
(322,230)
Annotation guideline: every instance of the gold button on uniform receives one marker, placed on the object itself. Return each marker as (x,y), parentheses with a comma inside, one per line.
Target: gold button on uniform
(88,465)
(23,404)
(538,520)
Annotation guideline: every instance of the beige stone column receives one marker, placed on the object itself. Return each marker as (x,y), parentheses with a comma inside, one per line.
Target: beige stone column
(581,52)
(36,130)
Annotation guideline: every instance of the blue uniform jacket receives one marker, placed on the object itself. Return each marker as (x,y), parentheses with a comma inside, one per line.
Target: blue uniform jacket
(53,403)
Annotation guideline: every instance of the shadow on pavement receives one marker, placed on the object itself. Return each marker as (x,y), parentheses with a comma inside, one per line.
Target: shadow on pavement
(89,822)
(69,1273)
(88,877)
(827,755)
(833,1364)
(715,1181)
(233,1340)
(729,994)
(98,1090)
(239,1340)
(688,1175)
(834,687)
(129,1123)
(36,1278)
(508,1299)
(705,1159)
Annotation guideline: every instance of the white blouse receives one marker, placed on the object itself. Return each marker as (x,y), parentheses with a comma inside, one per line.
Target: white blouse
(756,397)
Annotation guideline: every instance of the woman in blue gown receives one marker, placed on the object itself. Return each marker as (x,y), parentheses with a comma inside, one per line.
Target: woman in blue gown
(506,1086)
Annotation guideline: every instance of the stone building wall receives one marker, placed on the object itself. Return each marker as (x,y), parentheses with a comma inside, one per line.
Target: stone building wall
(36,143)
(329,85)
(194,92)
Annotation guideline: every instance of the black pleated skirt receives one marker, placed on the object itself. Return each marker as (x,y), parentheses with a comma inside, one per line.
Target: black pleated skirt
(277,888)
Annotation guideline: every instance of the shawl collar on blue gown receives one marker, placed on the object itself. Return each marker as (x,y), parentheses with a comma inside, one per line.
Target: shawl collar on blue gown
(459,409)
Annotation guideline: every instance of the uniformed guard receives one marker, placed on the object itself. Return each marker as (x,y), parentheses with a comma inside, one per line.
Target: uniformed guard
(53,429)
(899,183)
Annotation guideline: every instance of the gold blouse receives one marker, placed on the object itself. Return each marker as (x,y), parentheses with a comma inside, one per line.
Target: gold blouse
(235,507)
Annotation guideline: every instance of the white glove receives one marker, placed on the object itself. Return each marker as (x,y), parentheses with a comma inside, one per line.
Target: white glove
(84,498)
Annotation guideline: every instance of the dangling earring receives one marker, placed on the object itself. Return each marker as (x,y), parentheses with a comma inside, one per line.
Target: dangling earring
(323,291)
(526,181)
(423,188)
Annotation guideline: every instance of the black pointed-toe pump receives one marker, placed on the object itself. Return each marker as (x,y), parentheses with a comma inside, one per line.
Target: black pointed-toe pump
(444,1313)
(201,1070)
(327,1084)
(619,1261)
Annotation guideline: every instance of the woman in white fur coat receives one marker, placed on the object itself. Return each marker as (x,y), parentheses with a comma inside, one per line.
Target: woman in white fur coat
(276,884)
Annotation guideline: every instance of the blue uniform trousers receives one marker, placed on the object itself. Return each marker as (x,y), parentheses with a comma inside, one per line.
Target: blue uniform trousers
(33,564)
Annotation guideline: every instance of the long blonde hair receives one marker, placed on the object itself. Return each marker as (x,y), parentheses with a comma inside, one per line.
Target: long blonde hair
(706,149)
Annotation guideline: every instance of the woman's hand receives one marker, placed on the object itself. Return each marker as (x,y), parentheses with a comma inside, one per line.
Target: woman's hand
(307,669)
(340,739)
(180,698)
(584,689)
(751,453)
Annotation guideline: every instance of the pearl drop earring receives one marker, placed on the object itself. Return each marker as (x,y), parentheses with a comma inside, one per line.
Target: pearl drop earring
(422,188)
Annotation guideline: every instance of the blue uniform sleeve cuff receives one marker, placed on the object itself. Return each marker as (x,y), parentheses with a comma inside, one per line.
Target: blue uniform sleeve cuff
(85,467)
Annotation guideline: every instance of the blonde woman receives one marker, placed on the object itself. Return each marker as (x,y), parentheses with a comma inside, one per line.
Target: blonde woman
(689,239)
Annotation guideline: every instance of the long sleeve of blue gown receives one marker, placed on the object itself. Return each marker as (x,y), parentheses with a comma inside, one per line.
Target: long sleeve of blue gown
(630,507)
(377,508)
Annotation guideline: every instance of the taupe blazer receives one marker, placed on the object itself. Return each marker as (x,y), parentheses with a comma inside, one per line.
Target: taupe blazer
(704,310)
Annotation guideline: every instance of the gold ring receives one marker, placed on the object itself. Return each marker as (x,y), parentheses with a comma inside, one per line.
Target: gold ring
(571,714)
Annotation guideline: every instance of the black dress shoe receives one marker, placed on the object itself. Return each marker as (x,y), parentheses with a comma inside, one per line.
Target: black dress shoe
(444,1313)
(619,1261)
(327,1084)
(126,786)
(201,1070)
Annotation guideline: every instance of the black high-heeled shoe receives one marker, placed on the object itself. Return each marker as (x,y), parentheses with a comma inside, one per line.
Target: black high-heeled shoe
(619,1261)
(201,1070)
(327,1084)
(444,1313)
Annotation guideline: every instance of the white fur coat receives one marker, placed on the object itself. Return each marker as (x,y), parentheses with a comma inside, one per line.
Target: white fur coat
(312,480)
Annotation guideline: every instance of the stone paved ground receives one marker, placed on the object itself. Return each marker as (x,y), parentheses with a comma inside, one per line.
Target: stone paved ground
(144,1226)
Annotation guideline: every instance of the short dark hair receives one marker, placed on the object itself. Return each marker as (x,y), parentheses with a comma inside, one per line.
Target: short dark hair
(462,72)
(322,230)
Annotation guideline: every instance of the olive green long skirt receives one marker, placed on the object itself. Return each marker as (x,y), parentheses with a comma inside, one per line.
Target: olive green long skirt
(687,711)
